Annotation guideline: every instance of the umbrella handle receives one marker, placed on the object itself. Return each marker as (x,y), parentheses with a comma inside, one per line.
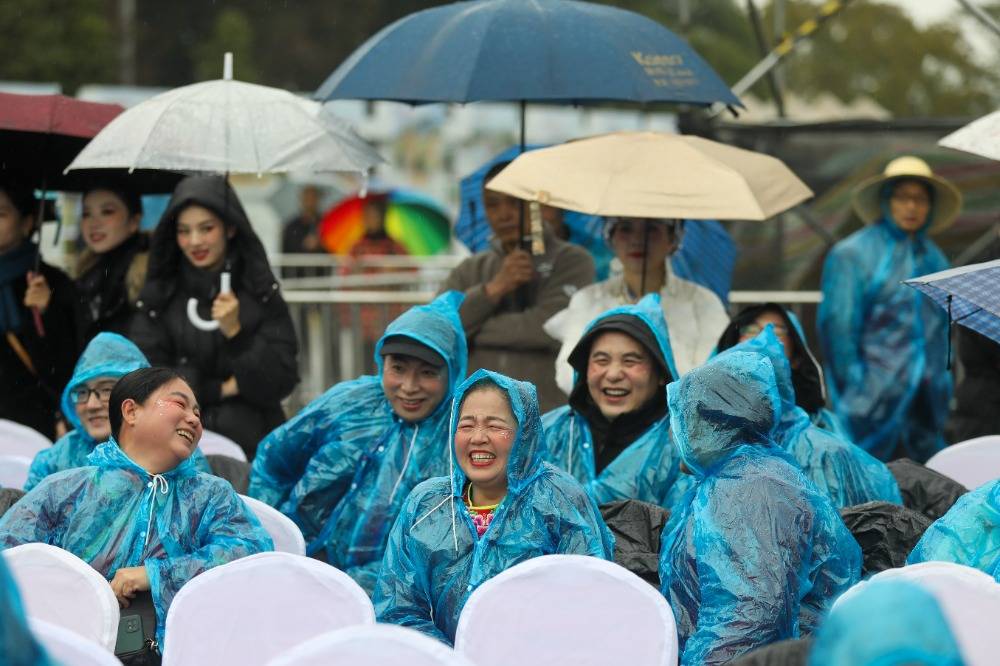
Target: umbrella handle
(225,286)
(39,327)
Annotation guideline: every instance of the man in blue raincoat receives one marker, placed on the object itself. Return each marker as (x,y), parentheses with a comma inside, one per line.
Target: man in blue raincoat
(140,513)
(85,405)
(501,505)
(885,344)
(17,645)
(343,466)
(846,473)
(614,436)
(754,552)
(968,534)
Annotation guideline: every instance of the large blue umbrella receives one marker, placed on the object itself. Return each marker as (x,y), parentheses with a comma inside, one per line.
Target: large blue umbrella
(970,294)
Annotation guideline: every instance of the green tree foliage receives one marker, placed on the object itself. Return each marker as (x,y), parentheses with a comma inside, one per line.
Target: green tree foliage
(232,32)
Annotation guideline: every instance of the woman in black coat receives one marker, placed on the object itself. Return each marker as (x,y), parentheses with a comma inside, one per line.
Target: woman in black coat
(241,371)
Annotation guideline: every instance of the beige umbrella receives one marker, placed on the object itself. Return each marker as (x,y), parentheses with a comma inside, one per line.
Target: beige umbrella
(651,174)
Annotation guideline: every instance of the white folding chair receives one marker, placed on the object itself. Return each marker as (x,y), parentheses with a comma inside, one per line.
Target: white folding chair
(969,598)
(212,443)
(60,588)
(555,610)
(20,440)
(972,462)
(14,471)
(372,645)
(253,609)
(284,532)
(66,647)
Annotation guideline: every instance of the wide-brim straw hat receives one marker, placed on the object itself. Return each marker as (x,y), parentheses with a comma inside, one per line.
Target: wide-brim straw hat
(947,197)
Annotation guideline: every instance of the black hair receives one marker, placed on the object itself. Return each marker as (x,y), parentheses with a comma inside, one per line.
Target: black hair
(137,385)
(485,384)
(21,196)
(494,170)
(128,196)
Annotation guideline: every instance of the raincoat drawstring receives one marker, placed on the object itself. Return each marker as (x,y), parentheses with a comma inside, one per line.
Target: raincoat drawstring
(157,482)
(406,462)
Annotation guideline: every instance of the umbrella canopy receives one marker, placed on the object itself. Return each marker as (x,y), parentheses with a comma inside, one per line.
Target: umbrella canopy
(227,126)
(415,221)
(517,50)
(980,137)
(970,294)
(651,174)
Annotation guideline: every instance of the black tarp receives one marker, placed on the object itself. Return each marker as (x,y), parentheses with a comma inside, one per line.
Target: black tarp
(886,533)
(9,497)
(637,527)
(924,490)
(791,652)
(236,472)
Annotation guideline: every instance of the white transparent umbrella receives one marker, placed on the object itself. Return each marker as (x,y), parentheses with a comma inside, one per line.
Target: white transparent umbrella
(228,126)
(980,137)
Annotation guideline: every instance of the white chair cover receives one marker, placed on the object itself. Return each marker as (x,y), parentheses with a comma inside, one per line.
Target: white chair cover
(14,471)
(60,588)
(68,648)
(969,598)
(972,462)
(212,443)
(284,532)
(20,440)
(255,608)
(373,645)
(563,610)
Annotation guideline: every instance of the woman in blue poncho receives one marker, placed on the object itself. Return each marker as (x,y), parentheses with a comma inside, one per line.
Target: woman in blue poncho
(614,436)
(885,344)
(343,466)
(754,551)
(847,473)
(85,405)
(140,513)
(501,505)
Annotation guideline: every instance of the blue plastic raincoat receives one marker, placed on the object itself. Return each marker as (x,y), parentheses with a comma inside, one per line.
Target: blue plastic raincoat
(107,355)
(342,467)
(886,623)
(754,552)
(968,534)
(114,514)
(847,473)
(435,558)
(649,469)
(885,344)
(17,645)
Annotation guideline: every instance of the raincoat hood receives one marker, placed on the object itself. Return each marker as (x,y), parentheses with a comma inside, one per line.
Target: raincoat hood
(528,450)
(244,252)
(727,403)
(767,344)
(107,355)
(109,455)
(886,623)
(436,325)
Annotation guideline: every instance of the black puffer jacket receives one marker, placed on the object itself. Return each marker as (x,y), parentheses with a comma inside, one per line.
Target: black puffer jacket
(262,356)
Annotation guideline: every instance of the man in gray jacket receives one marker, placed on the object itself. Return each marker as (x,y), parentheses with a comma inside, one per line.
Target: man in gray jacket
(509,294)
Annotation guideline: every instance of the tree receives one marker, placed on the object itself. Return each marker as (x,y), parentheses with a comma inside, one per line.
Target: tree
(234,33)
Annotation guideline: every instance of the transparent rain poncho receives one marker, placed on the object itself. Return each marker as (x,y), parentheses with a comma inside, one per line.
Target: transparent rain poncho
(968,534)
(114,514)
(886,623)
(343,466)
(885,344)
(649,468)
(847,473)
(435,558)
(107,355)
(754,552)
(17,645)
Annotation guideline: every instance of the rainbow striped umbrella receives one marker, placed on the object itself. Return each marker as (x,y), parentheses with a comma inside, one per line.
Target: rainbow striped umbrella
(415,221)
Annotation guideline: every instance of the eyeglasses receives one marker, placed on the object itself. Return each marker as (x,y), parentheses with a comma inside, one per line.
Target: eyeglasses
(81,394)
(753,330)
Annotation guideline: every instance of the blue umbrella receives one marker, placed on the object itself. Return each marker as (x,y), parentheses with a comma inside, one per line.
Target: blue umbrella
(970,294)
(526,50)
(707,254)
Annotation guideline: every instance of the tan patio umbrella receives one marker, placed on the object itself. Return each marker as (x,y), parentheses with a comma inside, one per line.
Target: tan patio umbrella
(655,175)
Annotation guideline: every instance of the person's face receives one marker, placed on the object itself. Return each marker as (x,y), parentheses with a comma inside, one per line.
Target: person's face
(781,331)
(373,219)
(309,198)
(91,403)
(413,387)
(910,204)
(201,236)
(106,223)
(168,424)
(484,437)
(503,214)
(14,227)
(630,242)
(621,375)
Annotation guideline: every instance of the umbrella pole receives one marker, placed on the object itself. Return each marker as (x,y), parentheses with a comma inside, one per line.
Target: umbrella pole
(645,255)
(36,314)
(520,215)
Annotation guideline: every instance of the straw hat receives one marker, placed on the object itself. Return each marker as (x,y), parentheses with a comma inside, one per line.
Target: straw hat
(947,198)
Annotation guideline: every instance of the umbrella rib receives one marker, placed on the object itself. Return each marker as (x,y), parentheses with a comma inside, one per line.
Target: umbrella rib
(152,131)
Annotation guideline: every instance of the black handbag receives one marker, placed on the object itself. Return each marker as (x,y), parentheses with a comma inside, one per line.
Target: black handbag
(137,644)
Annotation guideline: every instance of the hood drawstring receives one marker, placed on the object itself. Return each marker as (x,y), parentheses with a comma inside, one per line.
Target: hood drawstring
(572,431)
(406,463)
(157,482)
(451,473)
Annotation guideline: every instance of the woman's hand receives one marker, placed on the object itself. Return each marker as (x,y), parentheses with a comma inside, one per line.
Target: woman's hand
(226,311)
(230,388)
(128,582)
(38,294)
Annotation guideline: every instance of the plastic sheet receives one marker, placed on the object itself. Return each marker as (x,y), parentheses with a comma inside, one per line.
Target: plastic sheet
(637,528)
(886,533)
(924,490)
